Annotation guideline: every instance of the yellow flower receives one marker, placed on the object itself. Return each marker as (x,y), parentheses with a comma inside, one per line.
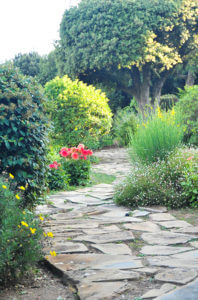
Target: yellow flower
(22,188)
(17,196)
(172,112)
(44,234)
(33,230)
(23,212)
(53,253)
(41,218)
(24,224)
(11,176)
(50,234)
(4,186)
(19,226)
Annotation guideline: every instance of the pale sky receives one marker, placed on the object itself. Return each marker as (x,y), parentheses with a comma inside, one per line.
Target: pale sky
(30,25)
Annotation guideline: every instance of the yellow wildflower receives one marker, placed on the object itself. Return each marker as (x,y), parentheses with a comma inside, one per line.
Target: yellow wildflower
(41,218)
(24,224)
(11,176)
(33,230)
(4,186)
(53,253)
(19,226)
(44,234)
(23,212)
(17,196)
(50,234)
(172,112)
(22,188)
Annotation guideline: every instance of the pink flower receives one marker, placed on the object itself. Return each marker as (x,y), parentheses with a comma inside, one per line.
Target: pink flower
(75,156)
(89,152)
(81,146)
(189,158)
(64,152)
(85,157)
(55,165)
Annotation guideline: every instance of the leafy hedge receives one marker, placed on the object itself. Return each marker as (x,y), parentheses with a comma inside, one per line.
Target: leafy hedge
(77,111)
(23,131)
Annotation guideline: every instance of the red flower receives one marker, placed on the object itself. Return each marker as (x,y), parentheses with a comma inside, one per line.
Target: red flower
(55,165)
(85,157)
(64,152)
(189,158)
(81,146)
(75,156)
(89,152)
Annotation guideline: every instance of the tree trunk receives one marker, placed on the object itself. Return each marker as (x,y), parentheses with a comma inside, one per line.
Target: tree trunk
(190,79)
(142,86)
(157,88)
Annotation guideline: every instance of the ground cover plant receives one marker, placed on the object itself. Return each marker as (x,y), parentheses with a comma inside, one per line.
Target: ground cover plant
(23,132)
(172,182)
(78,111)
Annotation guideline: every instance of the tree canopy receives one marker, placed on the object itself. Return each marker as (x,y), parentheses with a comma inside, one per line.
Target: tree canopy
(134,43)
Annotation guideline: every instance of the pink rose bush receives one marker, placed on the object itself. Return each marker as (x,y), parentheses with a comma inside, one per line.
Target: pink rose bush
(75,162)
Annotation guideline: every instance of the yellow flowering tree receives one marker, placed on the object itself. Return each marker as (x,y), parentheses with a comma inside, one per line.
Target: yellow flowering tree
(135,44)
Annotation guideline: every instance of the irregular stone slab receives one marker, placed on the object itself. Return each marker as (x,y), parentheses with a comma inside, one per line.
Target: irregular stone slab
(167,261)
(166,238)
(174,224)
(165,288)
(178,275)
(106,237)
(101,196)
(72,262)
(69,247)
(194,244)
(187,292)
(78,224)
(155,209)
(109,220)
(162,217)
(139,213)
(113,249)
(189,229)
(111,275)
(190,254)
(101,290)
(115,213)
(149,271)
(143,226)
(83,199)
(163,250)
(104,229)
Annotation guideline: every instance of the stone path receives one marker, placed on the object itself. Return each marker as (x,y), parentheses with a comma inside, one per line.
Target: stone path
(109,255)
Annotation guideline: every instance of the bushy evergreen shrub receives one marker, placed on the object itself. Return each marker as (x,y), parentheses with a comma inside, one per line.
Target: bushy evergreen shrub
(124,125)
(188,105)
(77,111)
(23,132)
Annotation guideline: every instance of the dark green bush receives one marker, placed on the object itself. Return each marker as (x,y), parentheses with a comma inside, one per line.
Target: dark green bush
(188,105)
(167,101)
(125,125)
(173,183)
(57,179)
(20,235)
(23,132)
(77,111)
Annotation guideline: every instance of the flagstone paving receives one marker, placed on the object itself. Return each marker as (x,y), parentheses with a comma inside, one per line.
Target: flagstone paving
(110,252)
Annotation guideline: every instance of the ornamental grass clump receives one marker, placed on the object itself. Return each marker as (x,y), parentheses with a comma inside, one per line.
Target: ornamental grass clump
(160,133)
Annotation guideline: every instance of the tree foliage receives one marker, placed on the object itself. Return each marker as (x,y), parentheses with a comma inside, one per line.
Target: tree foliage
(131,42)
(28,63)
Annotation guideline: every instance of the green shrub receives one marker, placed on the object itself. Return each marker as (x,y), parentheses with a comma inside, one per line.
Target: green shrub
(78,170)
(77,111)
(159,134)
(20,246)
(23,132)
(57,179)
(167,101)
(188,105)
(173,183)
(125,125)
